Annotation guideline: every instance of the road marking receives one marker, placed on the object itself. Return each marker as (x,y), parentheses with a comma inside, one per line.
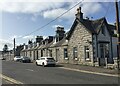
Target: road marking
(10,79)
(29,69)
(8,82)
(89,72)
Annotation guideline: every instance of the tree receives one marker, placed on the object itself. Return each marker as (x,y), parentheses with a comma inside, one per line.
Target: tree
(5,48)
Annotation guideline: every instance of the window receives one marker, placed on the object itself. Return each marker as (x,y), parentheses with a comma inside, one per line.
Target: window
(50,53)
(104,49)
(41,53)
(65,53)
(50,58)
(30,54)
(74,52)
(87,56)
(42,58)
(37,54)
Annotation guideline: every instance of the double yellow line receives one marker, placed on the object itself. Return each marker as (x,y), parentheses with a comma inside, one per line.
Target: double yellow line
(13,81)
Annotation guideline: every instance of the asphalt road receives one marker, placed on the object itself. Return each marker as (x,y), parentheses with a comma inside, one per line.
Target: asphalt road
(29,73)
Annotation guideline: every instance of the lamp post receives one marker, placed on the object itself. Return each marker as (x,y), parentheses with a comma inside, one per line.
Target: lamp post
(14,47)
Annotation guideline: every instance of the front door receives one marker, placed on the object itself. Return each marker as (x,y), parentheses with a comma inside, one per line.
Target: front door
(104,53)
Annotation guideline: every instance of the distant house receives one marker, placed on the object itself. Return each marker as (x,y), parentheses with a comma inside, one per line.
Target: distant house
(18,50)
(58,48)
(43,49)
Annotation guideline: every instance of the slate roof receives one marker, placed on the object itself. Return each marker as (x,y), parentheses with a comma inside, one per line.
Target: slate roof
(41,46)
(61,43)
(92,26)
(49,44)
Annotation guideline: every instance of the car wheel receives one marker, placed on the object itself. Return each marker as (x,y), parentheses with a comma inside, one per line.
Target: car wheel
(43,64)
(36,63)
(22,61)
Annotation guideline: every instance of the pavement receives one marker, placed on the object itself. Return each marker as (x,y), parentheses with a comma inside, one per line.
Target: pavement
(91,69)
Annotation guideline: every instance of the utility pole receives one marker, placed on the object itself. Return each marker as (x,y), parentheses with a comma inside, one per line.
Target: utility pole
(14,47)
(118,32)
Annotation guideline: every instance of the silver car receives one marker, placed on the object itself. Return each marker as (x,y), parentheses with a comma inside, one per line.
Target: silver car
(17,58)
(44,61)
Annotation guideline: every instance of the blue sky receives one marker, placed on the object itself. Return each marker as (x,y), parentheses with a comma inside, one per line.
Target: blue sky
(18,19)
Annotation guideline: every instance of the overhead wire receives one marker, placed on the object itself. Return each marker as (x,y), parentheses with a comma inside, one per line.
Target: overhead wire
(52,20)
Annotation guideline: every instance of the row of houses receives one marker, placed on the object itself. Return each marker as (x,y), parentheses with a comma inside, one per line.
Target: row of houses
(88,42)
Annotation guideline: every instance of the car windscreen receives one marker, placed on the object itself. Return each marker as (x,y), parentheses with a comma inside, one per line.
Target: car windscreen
(50,58)
(26,58)
(17,56)
(42,58)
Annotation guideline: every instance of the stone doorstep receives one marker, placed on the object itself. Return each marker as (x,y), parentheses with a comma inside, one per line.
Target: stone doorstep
(113,66)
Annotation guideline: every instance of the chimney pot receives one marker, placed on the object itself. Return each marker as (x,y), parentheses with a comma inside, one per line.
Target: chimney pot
(79,14)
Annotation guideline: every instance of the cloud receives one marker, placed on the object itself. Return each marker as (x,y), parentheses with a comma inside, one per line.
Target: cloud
(52,9)
(48,10)
(88,8)
(3,42)
(55,26)
(56,0)
(9,42)
(66,30)
(54,13)
(30,37)
(44,37)
(15,36)
(28,7)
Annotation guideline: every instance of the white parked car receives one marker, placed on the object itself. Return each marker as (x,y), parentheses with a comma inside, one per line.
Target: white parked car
(2,58)
(17,58)
(44,61)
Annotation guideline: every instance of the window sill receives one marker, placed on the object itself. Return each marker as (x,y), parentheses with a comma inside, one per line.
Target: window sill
(87,59)
(76,58)
(66,58)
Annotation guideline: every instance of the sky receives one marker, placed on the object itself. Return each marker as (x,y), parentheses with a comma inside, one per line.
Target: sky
(19,18)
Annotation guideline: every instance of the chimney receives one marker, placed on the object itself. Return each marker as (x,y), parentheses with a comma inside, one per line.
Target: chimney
(38,44)
(48,39)
(79,14)
(39,39)
(60,33)
(30,42)
(24,46)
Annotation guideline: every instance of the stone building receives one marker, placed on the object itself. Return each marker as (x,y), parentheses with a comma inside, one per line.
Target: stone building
(89,42)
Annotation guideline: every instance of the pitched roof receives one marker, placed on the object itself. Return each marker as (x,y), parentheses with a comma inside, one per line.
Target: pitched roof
(92,26)
(61,42)
(49,44)
(41,46)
